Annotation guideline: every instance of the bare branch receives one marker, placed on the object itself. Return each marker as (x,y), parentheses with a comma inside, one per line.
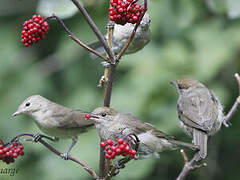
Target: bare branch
(51,148)
(72,36)
(108,82)
(87,47)
(96,30)
(185,158)
(189,165)
(235,105)
(123,50)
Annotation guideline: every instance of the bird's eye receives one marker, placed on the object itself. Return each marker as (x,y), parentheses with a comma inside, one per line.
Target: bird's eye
(180,86)
(27,104)
(104,114)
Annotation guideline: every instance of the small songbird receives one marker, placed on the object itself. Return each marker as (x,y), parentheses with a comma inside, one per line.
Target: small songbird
(200,112)
(55,120)
(121,34)
(110,123)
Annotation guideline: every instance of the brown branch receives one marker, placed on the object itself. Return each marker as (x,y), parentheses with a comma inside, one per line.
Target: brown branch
(123,50)
(95,30)
(52,149)
(87,47)
(235,105)
(72,36)
(108,81)
(189,165)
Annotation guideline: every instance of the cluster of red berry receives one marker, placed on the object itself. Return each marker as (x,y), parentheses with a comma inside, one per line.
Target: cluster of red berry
(34,29)
(121,147)
(123,11)
(7,154)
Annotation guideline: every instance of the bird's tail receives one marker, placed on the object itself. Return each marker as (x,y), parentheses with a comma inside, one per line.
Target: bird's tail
(200,139)
(98,47)
(184,144)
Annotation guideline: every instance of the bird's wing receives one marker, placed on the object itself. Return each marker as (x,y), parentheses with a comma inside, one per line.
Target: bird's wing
(68,118)
(198,108)
(138,127)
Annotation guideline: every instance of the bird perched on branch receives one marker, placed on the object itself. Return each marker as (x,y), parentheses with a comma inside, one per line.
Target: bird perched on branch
(200,112)
(121,34)
(152,141)
(55,120)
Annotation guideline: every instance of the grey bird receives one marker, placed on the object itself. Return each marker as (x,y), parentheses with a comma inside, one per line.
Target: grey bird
(200,112)
(121,34)
(110,123)
(55,120)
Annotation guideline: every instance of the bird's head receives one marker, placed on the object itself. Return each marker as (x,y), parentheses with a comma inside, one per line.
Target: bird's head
(31,104)
(185,83)
(146,20)
(103,115)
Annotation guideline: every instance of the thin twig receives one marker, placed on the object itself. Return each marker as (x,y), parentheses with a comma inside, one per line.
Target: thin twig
(95,29)
(235,105)
(123,50)
(72,36)
(52,149)
(189,165)
(87,47)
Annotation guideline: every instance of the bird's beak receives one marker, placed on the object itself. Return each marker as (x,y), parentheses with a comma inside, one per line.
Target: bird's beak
(92,116)
(16,113)
(174,83)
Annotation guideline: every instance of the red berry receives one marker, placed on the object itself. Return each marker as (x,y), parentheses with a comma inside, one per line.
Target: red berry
(110,142)
(113,148)
(125,11)
(108,156)
(132,152)
(113,155)
(109,151)
(107,147)
(6,149)
(8,153)
(126,148)
(102,144)
(33,30)
(87,116)
(15,155)
(120,141)
(121,146)
(118,151)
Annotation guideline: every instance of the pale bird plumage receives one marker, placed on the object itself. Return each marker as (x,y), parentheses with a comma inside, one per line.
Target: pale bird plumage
(110,123)
(121,34)
(53,119)
(200,112)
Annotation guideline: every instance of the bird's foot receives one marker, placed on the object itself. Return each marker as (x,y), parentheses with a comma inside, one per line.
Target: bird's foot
(64,156)
(37,137)
(226,124)
(119,164)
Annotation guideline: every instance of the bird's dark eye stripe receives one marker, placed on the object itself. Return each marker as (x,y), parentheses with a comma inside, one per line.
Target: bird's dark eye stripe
(27,104)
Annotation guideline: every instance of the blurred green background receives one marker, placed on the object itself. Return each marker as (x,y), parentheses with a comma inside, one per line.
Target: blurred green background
(200,39)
